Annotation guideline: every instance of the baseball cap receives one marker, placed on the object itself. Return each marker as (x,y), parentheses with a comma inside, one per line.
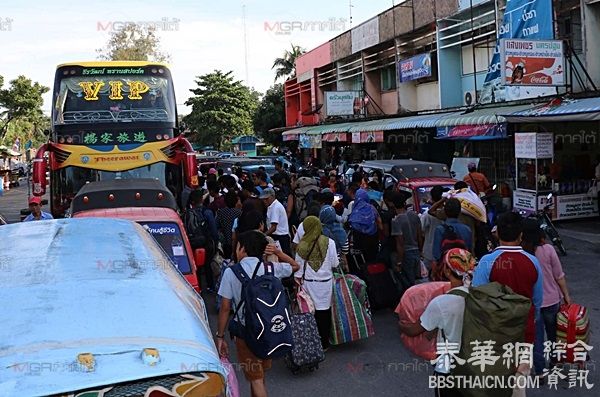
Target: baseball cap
(268,192)
(35,200)
(212,171)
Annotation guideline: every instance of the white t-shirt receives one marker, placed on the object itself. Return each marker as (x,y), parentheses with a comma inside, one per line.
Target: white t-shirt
(231,287)
(320,291)
(299,234)
(445,312)
(276,214)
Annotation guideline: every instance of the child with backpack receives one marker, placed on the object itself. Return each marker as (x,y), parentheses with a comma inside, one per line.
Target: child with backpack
(254,290)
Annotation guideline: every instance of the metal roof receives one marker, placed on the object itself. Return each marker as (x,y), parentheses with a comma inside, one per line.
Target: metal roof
(585,109)
(99,286)
(480,116)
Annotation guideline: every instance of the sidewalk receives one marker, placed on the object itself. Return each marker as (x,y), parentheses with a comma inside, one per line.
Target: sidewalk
(13,201)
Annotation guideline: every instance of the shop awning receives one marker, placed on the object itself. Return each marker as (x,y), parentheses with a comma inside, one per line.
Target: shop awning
(585,109)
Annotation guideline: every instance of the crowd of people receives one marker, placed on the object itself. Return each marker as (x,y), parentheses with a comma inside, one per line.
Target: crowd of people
(308,226)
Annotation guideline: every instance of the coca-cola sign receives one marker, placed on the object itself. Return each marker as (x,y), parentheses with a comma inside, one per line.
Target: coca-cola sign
(532,62)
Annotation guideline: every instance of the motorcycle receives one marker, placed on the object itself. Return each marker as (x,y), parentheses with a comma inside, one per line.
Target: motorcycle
(545,222)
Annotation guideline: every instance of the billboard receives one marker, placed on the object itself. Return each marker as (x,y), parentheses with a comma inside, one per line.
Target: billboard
(532,62)
(342,103)
(523,19)
(415,67)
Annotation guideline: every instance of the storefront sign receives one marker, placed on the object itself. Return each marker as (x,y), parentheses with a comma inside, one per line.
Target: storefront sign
(365,35)
(530,145)
(290,137)
(524,201)
(532,62)
(336,137)
(341,103)
(523,19)
(367,137)
(575,206)
(307,141)
(484,131)
(415,68)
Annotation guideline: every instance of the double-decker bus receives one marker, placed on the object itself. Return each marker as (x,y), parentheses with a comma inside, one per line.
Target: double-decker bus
(112,120)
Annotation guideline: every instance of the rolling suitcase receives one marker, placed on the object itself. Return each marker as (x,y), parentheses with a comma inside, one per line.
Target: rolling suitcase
(307,351)
(572,325)
(381,288)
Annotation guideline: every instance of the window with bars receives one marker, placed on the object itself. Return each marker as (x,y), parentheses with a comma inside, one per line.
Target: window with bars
(388,78)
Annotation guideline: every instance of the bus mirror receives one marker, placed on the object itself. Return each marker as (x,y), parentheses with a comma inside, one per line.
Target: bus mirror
(191,170)
(39,176)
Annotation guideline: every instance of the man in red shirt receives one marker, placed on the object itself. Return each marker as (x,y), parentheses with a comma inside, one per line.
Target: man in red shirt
(477,181)
(510,265)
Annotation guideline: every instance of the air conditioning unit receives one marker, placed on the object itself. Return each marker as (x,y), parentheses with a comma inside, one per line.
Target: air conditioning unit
(470,98)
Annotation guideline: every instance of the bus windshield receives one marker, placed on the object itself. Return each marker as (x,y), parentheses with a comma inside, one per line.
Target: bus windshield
(114,99)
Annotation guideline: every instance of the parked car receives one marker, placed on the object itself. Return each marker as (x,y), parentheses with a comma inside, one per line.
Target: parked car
(413,177)
(95,306)
(148,203)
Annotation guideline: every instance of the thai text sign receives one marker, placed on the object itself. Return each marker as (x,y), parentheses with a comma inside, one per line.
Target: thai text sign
(341,103)
(532,62)
(529,145)
(415,68)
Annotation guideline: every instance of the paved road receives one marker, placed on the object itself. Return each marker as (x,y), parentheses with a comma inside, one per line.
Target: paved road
(381,366)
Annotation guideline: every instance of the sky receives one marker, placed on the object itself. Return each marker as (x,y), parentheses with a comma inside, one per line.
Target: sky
(200,36)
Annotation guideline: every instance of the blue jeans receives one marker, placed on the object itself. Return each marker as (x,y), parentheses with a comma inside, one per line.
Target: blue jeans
(545,325)
(410,268)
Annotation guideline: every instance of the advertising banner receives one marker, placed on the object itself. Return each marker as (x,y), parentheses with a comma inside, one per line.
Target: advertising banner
(523,19)
(290,137)
(415,68)
(473,132)
(310,141)
(341,103)
(367,137)
(532,62)
(336,137)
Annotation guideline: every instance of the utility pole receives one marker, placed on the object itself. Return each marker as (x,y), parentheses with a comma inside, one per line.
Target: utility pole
(350,8)
(473,52)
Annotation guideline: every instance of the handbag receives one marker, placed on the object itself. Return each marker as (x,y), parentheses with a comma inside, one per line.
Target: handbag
(304,303)
(233,388)
(350,312)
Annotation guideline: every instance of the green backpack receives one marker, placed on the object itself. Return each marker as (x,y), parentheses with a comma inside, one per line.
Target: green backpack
(492,312)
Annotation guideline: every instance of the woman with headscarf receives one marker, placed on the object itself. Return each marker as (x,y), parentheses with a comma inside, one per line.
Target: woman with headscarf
(334,230)
(365,223)
(317,256)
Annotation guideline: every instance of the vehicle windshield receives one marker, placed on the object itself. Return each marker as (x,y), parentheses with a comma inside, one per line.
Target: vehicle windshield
(68,180)
(424,197)
(169,237)
(114,99)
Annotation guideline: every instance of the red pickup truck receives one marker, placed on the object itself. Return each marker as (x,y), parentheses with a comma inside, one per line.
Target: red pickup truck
(150,204)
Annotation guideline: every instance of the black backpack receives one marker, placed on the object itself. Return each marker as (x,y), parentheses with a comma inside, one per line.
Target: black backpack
(267,328)
(196,227)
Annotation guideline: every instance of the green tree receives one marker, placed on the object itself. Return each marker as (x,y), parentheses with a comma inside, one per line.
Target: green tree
(133,43)
(222,108)
(270,114)
(21,101)
(286,66)
(27,130)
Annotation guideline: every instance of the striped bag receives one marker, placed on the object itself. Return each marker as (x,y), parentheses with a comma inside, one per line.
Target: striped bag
(572,325)
(350,312)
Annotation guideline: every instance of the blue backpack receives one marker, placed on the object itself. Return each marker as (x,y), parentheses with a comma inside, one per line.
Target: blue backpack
(267,330)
